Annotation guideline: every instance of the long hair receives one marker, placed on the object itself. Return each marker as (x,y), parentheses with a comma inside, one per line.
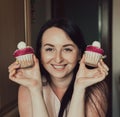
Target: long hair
(75,34)
(71,29)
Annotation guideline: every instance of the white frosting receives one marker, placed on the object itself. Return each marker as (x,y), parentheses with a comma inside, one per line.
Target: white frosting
(21,45)
(96,44)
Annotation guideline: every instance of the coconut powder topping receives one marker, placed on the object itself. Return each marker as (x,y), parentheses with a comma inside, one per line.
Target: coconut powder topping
(96,44)
(21,45)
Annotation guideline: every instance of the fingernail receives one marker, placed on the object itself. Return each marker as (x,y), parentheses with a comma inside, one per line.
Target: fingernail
(17,62)
(105,56)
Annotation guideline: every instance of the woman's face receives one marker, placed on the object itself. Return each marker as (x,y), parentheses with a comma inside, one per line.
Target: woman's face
(59,54)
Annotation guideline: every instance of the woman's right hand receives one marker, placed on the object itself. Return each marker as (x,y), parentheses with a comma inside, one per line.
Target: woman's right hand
(28,77)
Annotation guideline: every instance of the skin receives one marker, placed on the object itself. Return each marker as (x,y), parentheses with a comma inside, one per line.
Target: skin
(59,56)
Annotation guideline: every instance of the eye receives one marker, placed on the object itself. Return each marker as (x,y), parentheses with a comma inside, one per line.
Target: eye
(68,49)
(49,49)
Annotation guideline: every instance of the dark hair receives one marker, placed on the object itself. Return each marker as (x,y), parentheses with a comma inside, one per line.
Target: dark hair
(74,32)
(71,29)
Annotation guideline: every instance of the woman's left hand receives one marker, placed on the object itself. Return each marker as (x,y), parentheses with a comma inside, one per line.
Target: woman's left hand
(86,77)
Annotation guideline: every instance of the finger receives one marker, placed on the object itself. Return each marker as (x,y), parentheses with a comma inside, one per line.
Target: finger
(25,81)
(21,81)
(104,65)
(35,58)
(100,75)
(15,72)
(82,61)
(13,66)
(103,74)
(102,69)
(14,75)
(88,81)
(11,74)
(16,62)
(36,62)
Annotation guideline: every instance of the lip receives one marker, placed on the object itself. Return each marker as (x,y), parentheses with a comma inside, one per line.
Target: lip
(59,67)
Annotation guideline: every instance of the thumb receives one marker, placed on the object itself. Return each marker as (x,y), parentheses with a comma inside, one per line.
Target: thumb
(82,61)
(82,67)
(36,61)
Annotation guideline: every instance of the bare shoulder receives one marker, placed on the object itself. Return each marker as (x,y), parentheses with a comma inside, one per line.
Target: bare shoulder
(24,102)
(96,100)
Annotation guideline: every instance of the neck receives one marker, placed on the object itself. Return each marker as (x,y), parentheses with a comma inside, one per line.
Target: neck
(61,83)
(59,86)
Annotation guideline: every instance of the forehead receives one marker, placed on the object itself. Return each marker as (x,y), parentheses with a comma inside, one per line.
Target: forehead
(56,35)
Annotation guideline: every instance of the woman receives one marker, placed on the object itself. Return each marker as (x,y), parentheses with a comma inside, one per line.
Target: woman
(59,84)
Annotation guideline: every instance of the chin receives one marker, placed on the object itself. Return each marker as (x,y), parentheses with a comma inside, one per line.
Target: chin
(60,75)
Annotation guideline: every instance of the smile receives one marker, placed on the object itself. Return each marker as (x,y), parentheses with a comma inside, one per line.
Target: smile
(58,67)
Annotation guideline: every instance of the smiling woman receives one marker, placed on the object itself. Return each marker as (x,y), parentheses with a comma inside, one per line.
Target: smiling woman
(16,26)
(58,53)
(69,88)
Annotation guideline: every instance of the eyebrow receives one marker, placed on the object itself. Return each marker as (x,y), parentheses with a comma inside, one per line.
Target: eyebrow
(47,44)
(68,45)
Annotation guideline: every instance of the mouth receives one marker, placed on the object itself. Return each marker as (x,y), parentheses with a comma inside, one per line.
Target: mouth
(59,67)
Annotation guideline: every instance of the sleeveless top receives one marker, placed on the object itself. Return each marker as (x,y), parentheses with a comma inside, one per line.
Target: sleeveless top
(52,102)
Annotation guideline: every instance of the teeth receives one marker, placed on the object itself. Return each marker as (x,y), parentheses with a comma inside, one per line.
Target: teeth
(58,67)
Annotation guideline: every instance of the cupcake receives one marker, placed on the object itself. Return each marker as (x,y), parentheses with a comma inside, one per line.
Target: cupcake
(24,55)
(93,54)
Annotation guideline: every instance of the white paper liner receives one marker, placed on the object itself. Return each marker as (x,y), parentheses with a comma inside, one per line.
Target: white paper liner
(92,58)
(25,60)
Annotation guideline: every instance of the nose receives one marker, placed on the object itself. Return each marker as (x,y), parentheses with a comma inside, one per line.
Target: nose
(58,57)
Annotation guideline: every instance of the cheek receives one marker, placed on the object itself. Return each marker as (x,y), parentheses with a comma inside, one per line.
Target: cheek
(72,58)
(45,58)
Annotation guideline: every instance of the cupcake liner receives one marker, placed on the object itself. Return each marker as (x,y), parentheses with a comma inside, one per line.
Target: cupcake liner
(25,60)
(92,58)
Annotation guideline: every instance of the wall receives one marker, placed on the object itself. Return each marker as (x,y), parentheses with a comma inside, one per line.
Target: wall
(11,32)
(40,14)
(116,57)
(86,14)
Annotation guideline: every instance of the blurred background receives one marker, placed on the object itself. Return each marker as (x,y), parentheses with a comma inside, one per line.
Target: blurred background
(22,19)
